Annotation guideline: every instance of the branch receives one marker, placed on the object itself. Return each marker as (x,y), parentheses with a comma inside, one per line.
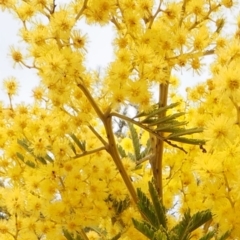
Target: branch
(81,10)
(175,145)
(182,12)
(194,54)
(158,148)
(111,146)
(237,109)
(228,190)
(92,101)
(142,160)
(98,135)
(113,151)
(83,235)
(115,114)
(155,15)
(114,21)
(206,17)
(89,152)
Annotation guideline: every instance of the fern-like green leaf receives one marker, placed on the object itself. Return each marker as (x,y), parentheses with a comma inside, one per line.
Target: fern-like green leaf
(181,229)
(116,237)
(161,110)
(135,141)
(160,235)
(23,143)
(208,236)
(73,148)
(159,208)
(198,219)
(166,119)
(170,125)
(155,111)
(67,235)
(188,140)
(146,150)
(29,163)
(20,156)
(121,205)
(188,224)
(147,209)
(81,145)
(121,151)
(170,129)
(41,159)
(185,132)
(49,158)
(225,235)
(145,228)
(78,237)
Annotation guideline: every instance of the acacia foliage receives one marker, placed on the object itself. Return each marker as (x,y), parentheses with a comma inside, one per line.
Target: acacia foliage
(65,173)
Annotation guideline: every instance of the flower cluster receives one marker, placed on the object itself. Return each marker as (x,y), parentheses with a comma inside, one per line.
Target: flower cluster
(64,172)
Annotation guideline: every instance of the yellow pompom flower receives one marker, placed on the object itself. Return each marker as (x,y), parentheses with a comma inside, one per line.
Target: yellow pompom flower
(227,3)
(25,11)
(92,235)
(219,129)
(127,144)
(11,86)
(16,55)
(38,93)
(39,146)
(78,39)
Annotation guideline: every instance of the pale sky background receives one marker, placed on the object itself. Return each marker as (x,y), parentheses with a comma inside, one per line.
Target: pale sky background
(100,53)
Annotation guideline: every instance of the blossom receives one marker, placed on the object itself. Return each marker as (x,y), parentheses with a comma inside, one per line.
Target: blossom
(11,86)
(218,130)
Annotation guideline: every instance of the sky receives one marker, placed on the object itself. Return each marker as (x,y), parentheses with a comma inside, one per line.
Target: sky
(99,55)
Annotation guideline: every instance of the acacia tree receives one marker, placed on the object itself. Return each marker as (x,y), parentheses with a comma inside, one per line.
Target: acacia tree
(66,174)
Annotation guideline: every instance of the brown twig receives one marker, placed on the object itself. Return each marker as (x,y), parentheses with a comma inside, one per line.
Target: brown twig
(85,153)
(111,146)
(82,9)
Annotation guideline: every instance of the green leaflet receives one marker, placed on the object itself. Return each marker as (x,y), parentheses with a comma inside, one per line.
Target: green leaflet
(121,151)
(23,143)
(160,235)
(156,229)
(146,149)
(185,132)
(121,205)
(166,119)
(135,141)
(147,209)
(145,228)
(29,163)
(159,209)
(49,158)
(199,218)
(81,145)
(188,224)
(116,237)
(208,236)
(157,124)
(162,109)
(78,237)
(171,126)
(155,111)
(225,236)
(73,148)
(67,235)
(188,140)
